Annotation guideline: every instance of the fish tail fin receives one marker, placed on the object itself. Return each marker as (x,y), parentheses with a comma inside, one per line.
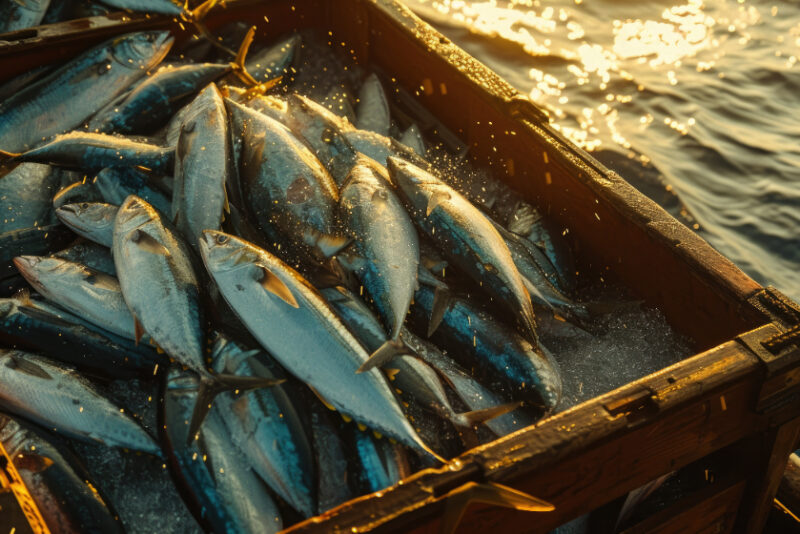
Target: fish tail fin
(441,302)
(199,13)
(476,417)
(487,493)
(240,70)
(214,385)
(384,354)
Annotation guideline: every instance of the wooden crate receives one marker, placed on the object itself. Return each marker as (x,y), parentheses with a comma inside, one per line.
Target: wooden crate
(736,399)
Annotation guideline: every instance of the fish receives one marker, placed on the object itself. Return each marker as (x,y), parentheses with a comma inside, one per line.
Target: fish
(153,101)
(323,131)
(334,485)
(202,166)
(115,184)
(336,142)
(91,254)
(59,484)
(66,97)
(512,365)
(285,185)
(82,191)
(34,325)
(57,397)
(159,283)
(274,60)
(379,463)
(90,294)
(283,311)
(162,290)
(224,494)
(267,427)
(372,112)
(420,384)
(386,244)
(541,290)
(92,220)
(466,238)
(413,139)
(26,196)
(85,150)
(477,397)
(21,14)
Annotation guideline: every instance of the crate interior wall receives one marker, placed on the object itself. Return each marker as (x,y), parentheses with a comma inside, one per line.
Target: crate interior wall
(732,395)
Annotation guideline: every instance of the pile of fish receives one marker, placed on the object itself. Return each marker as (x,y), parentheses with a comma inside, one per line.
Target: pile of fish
(269,252)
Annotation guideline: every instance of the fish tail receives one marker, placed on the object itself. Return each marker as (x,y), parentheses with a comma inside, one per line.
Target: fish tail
(215,384)
(239,69)
(199,13)
(441,303)
(384,354)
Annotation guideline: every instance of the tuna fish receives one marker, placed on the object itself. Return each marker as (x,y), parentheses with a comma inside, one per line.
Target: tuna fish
(92,220)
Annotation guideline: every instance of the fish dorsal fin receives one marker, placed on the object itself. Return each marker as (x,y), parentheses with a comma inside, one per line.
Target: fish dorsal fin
(28,367)
(441,303)
(436,198)
(148,243)
(277,287)
(138,330)
(384,354)
(103,281)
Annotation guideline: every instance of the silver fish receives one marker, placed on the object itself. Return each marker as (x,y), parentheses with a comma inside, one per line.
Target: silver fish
(58,398)
(372,112)
(82,191)
(92,220)
(413,139)
(65,98)
(466,237)
(89,294)
(269,105)
(159,283)
(267,428)
(274,60)
(83,150)
(115,184)
(296,325)
(202,166)
(386,241)
(165,7)
(26,196)
(285,184)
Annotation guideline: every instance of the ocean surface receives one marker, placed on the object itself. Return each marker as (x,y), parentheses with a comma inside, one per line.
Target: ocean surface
(696,103)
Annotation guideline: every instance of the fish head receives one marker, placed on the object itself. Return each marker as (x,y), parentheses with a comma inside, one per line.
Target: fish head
(141,50)
(87,215)
(132,214)
(313,121)
(418,185)
(36,268)
(223,252)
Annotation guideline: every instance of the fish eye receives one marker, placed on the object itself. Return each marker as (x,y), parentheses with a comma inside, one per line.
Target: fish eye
(222,239)
(85,205)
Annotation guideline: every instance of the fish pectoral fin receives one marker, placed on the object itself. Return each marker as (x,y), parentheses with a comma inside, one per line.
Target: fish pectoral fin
(148,243)
(277,287)
(441,303)
(101,280)
(26,366)
(329,245)
(138,330)
(384,354)
(477,417)
(490,493)
(436,198)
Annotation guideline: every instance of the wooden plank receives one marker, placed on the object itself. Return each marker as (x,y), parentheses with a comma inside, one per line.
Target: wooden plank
(789,488)
(711,510)
(773,449)
(582,458)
